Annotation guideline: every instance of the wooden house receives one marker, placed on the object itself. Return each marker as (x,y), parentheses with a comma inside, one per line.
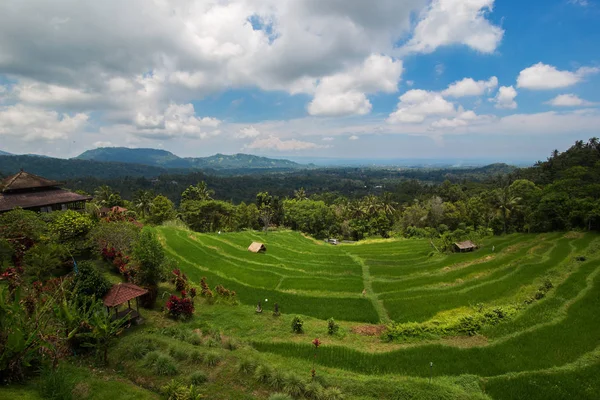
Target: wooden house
(32,192)
(463,247)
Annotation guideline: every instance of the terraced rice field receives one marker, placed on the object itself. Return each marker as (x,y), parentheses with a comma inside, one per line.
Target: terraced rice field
(553,338)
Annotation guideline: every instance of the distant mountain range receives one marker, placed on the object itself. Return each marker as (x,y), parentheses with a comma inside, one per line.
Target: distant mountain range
(4,153)
(166,159)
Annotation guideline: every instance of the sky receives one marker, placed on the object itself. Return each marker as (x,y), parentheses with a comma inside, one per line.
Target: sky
(462,79)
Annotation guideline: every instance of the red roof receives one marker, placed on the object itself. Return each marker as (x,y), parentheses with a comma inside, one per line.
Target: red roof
(122,292)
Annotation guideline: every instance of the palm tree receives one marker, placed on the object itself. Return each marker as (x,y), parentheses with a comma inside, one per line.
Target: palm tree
(506,203)
(102,194)
(300,194)
(388,205)
(143,201)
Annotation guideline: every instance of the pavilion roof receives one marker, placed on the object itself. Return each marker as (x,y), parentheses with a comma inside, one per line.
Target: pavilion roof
(122,292)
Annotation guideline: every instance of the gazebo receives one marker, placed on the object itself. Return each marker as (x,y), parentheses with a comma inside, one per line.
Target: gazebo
(121,293)
(465,246)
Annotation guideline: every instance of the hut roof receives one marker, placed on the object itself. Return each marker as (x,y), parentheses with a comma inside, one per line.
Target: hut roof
(40,198)
(467,244)
(122,292)
(25,180)
(256,247)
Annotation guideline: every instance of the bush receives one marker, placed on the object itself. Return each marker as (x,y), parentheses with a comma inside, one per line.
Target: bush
(332,326)
(56,384)
(212,342)
(194,339)
(263,373)
(280,396)
(297,325)
(180,307)
(165,365)
(277,380)
(212,358)
(231,344)
(333,393)
(177,353)
(198,378)
(141,348)
(314,391)
(89,281)
(196,356)
(294,386)
(246,366)
(150,358)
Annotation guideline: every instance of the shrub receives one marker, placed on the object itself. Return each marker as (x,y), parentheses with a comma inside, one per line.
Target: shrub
(196,356)
(277,380)
(165,365)
(280,396)
(177,353)
(332,326)
(246,366)
(212,342)
(198,377)
(56,384)
(333,393)
(140,348)
(314,391)
(212,358)
(297,325)
(231,344)
(294,386)
(150,358)
(180,307)
(263,373)
(179,279)
(194,338)
(89,281)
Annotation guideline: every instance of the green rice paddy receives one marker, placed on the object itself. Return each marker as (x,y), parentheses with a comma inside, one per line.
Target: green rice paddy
(549,340)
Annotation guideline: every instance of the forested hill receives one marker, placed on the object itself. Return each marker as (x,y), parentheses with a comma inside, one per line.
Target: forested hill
(4,153)
(166,159)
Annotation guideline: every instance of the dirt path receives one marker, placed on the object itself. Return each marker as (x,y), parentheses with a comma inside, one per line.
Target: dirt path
(369,293)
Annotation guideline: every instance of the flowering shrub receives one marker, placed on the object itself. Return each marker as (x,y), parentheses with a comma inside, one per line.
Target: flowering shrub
(179,279)
(119,261)
(180,307)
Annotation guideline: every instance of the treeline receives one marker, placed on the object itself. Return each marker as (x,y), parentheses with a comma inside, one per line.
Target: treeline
(558,194)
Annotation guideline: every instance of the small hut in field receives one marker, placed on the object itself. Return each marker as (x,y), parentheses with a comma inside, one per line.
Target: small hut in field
(257,247)
(466,246)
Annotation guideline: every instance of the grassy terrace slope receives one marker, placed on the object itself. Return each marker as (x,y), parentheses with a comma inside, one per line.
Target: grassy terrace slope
(552,341)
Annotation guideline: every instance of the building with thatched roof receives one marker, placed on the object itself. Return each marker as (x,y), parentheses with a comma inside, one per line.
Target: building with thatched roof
(32,192)
(465,246)
(257,247)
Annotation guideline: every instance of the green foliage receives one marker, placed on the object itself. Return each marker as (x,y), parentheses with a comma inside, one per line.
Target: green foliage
(333,393)
(297,324)
(246,366)
(277,380)
(70,224)
(56,384)
(150,256)
(120,235)
(294,385)
(332,327)
(212,358)
(208,215)
(161,210)
(314,391)
(89,281)
(140,348)
(263,373)
(280,396)
(177,353)
(164,365)
(44,259)
(198,378)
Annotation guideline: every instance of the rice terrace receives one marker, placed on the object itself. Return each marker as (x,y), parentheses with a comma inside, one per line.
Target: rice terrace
(517,318)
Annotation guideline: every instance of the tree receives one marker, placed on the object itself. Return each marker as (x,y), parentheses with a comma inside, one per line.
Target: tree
(45,258)
(150,257)
(506,202)
(300,194)
(198,192)
(103,332)
(102,195)
(120,235)
(162,210)
(208,215)
(70,225)
(143,201)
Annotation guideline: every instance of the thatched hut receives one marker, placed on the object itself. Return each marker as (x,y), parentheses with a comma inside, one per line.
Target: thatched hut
(463,247)
(257,247)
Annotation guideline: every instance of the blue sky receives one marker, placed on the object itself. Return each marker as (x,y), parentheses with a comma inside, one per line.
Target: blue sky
(501,80)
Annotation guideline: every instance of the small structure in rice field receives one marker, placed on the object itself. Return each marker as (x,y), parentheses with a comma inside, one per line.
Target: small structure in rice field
(257,247)
(121,293)
(463,247)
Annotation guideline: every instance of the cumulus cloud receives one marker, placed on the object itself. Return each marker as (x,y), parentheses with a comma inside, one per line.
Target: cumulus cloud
(470,87)
(328,139)
(416,105)
(353,137)
(248,132)
(32,123)
(506,98)
(542,76)
(345,93)
(275,143)
(568,100)
(101,143)
(463,119)
(448,22)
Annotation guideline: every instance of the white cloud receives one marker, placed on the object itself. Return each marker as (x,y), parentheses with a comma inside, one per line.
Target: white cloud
(582,3)
(416,105)
(328,139)
(32,123)
(275,143)
(448,22)
(506,98)
(248,132)
(439,69)
(542,76)
(345,93)
(353,137)
(102,144)
(470,87)
(463,119)
(568,100)
(410,83)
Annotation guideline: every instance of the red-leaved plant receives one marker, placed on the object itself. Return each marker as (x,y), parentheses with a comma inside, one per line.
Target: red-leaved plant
(315,343)
(180,307)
